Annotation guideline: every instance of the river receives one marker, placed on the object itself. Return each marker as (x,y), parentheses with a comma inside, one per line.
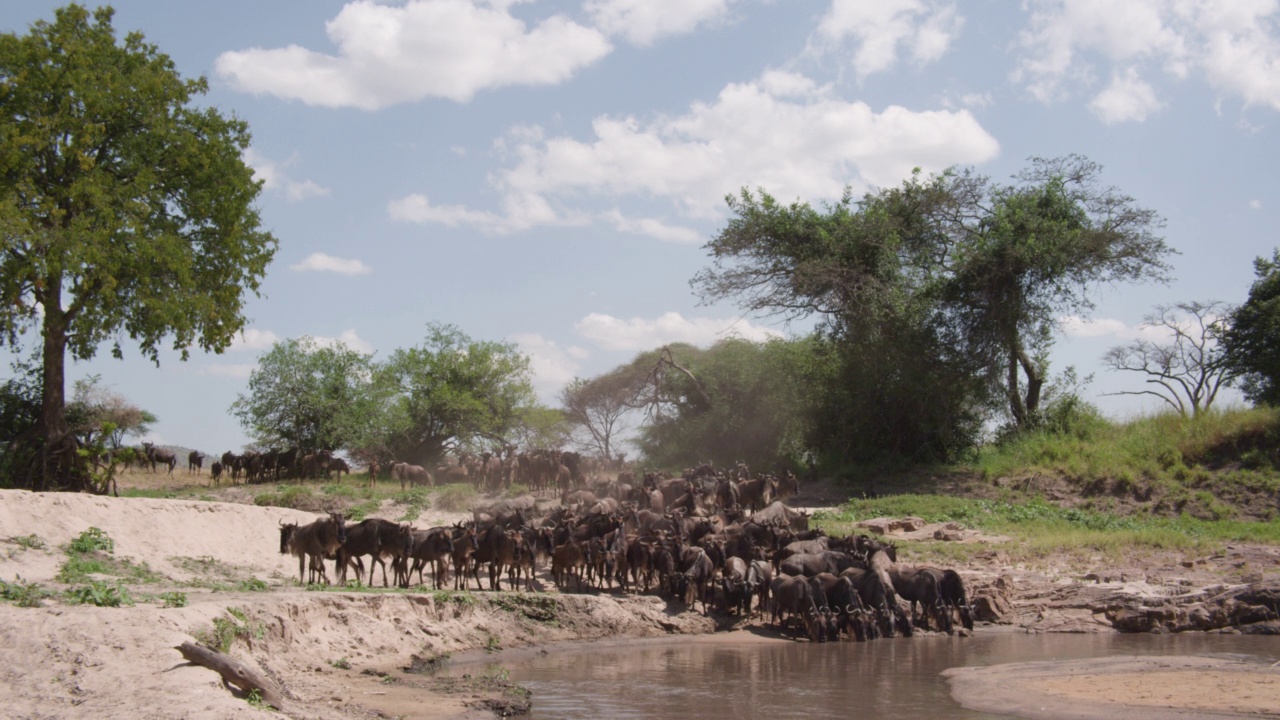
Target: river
(744,677)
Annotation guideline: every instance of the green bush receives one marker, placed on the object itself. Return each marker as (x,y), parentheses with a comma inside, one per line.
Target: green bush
(174,599)
(23,594)
(100,594)
(455,498)
(93,540)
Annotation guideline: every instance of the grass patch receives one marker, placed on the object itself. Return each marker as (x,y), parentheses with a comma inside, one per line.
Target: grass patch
(456,497)
(101,594)
(1040,527)
(297,497)
(1230,453)
(173,599)
(28,542)
(415,501)
(22,593)
(226,630)
(537,607)
(82,567)
(359,512)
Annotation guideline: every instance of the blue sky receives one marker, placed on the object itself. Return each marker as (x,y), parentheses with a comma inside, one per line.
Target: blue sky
(547,172)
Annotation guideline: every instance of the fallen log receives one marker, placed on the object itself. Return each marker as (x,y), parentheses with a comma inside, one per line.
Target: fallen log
(233,672)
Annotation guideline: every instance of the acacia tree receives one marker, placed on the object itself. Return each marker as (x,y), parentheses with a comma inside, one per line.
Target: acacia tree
(125,212)
(951,276)
(599,407)
(451,391)
(1187,368)
(97,413)
(308,396)
(1252,342)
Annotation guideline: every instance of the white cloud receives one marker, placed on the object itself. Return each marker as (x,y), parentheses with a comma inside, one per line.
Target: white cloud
(1255,204)
(1076,326)
(637,333)
(781,133)
(553,366)
(275,179)
(653,228)
(346,337)
(320,262)
(881,29)
(642,22)
(254,339)
(1126,99)
(238,371)
(1233,43)
(389,54)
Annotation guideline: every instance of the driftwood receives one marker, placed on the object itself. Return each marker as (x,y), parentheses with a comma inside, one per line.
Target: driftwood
(233,672)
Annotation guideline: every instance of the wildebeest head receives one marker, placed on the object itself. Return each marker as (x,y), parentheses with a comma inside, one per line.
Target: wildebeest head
(340,525)
(286,534)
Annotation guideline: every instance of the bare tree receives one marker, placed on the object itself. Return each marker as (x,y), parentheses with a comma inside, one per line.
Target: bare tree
(599,406)
(1187,370)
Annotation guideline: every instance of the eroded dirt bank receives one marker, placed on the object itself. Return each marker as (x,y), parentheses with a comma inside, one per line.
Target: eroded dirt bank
(338,654)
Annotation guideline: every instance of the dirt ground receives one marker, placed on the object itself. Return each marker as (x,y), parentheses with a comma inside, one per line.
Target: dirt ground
(339,654)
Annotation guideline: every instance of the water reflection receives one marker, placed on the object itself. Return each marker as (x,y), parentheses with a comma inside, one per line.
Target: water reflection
(895,679)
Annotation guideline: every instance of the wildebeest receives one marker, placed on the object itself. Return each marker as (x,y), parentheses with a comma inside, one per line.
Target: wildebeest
(215,473)
(378,539)
(411,475)
(314,541)
(434,546)
(161,456)
(792,595)
(567,558)
(810,564)
(195,462)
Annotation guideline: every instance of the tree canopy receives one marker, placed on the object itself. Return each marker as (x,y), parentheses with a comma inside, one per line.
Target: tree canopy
(1252,343)
(451,391)
(936,299)
(309,396)
(126,211)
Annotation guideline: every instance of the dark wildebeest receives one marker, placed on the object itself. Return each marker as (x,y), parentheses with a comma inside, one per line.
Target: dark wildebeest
(852,616)
(464,548)
(567,558)
(314,542)
(215,473)
(760,581)
(501,549)
(954,595)
(810,564)
(411,475)
(733,585)
(918,585)
(877,598)
(160,455)
(362,539)
(433,546)
(195,462)
(826,617)
(755,494)
(792,595)
(339,466)
(697,574)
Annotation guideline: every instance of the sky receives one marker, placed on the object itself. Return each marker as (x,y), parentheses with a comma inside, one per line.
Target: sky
(547,173)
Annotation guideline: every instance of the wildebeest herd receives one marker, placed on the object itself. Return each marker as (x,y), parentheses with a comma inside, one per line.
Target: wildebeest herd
(716,540)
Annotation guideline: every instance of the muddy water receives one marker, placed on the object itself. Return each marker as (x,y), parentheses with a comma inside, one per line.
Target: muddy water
(898,679)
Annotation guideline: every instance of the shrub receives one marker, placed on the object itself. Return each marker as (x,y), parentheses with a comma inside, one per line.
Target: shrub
(174,599)
(92,540)
(23,594)
(455,498)
(100,594)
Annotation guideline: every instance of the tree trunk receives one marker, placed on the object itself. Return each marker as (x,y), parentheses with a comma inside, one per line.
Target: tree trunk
(45,454)
(233,672)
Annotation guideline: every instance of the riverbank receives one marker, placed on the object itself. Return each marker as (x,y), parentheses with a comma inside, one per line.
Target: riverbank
(211,571)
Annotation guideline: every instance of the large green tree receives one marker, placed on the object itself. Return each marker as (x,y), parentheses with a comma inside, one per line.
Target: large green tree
(126,211)
(938,296)
(310,396)
(452,392)
(1252,342)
